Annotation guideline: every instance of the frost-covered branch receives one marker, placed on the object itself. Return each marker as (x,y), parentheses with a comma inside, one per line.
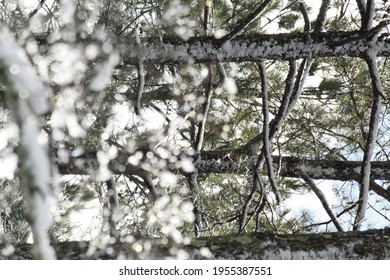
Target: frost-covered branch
(27,99)
(255,47)
(378,92)
(323,200)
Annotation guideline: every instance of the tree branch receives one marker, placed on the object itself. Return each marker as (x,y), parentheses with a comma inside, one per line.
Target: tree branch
(174,50)
(140,87)
(141,76)
(323,200)
(284,107)
(368,15)
(303,8)
(266,133)
(321,17)
(113,207)
(242,24)
(371,138)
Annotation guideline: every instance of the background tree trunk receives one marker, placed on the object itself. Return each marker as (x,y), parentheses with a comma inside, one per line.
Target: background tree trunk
(370,245)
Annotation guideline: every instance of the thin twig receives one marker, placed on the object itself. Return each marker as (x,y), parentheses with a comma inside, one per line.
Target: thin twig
(241,25)
(113,207)
(37,8)
(140,87)
(378,212)
(257,186)
(323,200)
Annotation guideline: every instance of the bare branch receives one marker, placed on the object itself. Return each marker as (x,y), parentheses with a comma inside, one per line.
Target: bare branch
(206,107)
(241,25)
(140,87)
(362,7)
(141,76)
(113,207)
(37,8)
(368,15)
(371,138)
(222,73)
(323,200)
(303,8)
(198,222)
(320,22)
(258,141)
(284,107)
(257,187)
(206,16)
(266,133)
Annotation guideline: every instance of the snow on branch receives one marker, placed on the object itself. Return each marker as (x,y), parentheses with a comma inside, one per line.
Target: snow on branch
(27,99)
(255,47)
